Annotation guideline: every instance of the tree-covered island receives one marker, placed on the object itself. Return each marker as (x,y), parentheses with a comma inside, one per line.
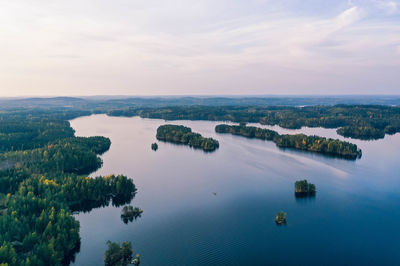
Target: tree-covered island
(302,188)
(130,213)
(323,145)
(120,255)
(154,146)
(280,218)
(184,135)
(356,121)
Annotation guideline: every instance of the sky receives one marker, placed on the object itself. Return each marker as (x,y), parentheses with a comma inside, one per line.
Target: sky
(199,47)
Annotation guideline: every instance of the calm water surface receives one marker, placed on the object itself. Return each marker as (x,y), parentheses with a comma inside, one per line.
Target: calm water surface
(353,220)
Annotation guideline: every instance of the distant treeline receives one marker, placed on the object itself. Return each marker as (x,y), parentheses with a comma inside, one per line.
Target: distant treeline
(356,121)
(359,121)
(323,145)
(184,135)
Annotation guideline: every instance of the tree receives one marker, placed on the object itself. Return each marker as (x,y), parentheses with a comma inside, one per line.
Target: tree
(117,255)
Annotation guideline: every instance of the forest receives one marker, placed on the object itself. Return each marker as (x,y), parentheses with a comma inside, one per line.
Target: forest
(184,135)
(44,167)
(317,144)
(355,121)
(357,118)
(43,170)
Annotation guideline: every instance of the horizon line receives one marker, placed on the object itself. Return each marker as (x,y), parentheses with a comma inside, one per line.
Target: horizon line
(197,95)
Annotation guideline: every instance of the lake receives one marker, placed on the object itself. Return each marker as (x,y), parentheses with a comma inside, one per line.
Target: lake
(219,208)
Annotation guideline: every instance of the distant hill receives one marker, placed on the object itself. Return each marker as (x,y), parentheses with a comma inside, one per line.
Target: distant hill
(101,102)
(252,100)
(42,102)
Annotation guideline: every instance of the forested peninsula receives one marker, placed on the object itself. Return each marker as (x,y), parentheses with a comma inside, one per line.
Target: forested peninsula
(184,135)
(356,121)
(43,179)
(323,145)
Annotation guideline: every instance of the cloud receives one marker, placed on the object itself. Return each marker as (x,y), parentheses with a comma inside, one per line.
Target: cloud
(205,46)
(391,7)
(398,50)
(388,7)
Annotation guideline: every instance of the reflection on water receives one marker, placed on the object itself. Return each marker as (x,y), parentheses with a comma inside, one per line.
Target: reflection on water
(130,213)
(116,201)
(187,224)
(188,146)
(302,198)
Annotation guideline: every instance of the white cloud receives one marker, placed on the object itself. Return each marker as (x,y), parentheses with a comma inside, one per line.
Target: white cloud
(391,7)
(205,46)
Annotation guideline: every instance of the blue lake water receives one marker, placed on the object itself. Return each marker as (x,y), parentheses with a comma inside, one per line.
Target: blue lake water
(353,220)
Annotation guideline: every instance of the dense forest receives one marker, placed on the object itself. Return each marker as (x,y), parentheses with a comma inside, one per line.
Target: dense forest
(42,181)
(323,145)
(184,135)
(356,121)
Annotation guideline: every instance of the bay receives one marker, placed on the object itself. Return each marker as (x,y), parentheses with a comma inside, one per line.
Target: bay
(218,208)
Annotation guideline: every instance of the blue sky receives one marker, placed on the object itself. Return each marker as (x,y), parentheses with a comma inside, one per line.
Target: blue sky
(163,47)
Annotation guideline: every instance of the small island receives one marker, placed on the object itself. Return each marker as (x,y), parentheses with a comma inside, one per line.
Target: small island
(184,135)
(332,147)
(130,213)
(154,146)
(136,260)
(117,254)
(304,189)
(280,218)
